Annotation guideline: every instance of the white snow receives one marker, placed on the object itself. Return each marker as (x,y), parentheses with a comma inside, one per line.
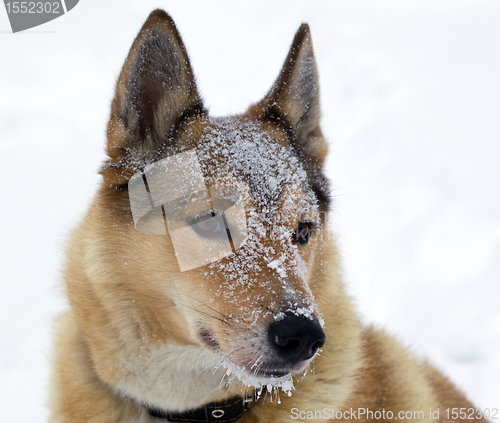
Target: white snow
(410,99)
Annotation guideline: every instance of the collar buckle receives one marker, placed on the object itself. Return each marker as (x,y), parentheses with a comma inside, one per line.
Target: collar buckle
(248,401)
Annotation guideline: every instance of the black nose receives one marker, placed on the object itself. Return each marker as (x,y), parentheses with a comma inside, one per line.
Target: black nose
(296,338)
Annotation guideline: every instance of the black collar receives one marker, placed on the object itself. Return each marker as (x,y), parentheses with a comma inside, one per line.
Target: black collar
(215,412)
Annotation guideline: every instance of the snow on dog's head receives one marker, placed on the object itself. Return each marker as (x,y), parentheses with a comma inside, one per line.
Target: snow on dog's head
(268,276)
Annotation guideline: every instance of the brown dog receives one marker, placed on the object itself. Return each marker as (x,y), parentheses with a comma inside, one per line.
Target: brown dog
(203,280)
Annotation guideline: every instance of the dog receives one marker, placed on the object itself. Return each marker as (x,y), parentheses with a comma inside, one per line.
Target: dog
(203,282)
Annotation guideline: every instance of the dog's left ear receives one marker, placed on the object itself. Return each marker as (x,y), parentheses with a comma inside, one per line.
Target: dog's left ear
(293,100)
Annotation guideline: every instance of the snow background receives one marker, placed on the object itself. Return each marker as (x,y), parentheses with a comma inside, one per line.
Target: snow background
(411,106)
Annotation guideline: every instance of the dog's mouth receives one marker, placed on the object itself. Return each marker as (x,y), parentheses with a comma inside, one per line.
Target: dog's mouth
(262,370)
(207,337)
(278,369)
(289,345)
(272,373)
(279,372)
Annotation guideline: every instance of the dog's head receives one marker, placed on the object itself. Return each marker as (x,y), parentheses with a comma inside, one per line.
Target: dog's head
(224,248)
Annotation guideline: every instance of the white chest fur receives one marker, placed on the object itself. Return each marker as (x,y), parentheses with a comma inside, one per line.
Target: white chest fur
(176,378)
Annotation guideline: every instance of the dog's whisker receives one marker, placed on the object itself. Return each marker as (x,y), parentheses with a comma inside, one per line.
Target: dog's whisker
(226,357)
(206,314)
(225,316)
(145,295)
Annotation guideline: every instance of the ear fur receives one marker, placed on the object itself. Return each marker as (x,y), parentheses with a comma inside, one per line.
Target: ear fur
(294,98)
(155,88)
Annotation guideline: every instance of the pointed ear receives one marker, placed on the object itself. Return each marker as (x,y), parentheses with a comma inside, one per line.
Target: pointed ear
(293,100)
(156,87)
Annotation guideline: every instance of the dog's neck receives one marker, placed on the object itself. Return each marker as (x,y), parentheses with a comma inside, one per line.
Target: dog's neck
(177,378)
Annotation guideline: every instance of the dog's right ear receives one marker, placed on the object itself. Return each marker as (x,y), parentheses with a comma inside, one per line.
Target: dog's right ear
(155,89)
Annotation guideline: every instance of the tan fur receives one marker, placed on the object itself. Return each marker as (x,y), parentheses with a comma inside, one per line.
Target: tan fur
(140,333)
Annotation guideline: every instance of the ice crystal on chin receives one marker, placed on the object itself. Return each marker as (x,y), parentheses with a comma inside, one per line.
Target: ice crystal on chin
(262,386)
(269,386)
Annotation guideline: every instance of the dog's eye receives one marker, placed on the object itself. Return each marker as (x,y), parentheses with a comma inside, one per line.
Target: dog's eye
(208,225)
(302,233)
